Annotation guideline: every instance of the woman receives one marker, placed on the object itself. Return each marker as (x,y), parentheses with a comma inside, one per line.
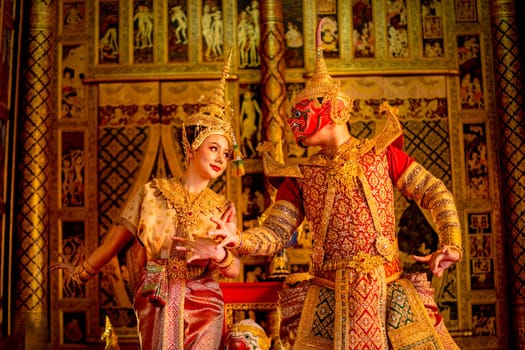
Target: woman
(172,261)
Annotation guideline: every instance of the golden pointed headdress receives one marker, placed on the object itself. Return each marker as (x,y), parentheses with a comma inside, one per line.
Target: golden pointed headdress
(323,88)
(211,119)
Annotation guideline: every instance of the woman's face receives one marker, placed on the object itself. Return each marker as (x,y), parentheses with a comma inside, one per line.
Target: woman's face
(211,158)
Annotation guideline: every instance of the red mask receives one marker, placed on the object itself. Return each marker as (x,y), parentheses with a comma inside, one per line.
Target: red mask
(308,117)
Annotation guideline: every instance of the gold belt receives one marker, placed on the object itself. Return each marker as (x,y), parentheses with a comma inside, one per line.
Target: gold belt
(179,269)
(361,262)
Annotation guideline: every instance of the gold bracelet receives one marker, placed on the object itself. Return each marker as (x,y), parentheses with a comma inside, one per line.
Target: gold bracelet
(89,269)
(80,275)
(227,262)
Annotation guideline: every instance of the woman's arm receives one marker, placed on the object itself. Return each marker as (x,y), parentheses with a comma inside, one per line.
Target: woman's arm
(115,240)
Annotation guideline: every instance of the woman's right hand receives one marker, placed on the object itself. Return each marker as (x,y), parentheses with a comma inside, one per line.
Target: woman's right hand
(68,268)
(226,230)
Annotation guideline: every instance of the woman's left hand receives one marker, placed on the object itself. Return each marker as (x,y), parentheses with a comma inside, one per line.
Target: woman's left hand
(200,249)
(440,260)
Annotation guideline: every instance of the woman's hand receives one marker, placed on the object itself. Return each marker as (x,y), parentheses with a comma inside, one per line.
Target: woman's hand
(200,249)
(226,231)
(440,260)
(68,268)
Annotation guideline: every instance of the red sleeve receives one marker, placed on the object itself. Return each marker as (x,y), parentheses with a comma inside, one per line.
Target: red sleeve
(289,191)
(398,162)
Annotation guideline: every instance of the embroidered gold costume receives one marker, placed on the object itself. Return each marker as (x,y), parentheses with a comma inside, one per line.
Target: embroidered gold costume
(356,296)
(185,307)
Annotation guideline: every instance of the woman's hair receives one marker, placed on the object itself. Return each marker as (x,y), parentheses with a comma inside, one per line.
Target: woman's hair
(192,131)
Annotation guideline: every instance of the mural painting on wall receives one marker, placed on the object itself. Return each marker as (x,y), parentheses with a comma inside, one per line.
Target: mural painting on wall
(432,22)
(74,326)
(470,72)
(248,33)
(73,16)
(177,31)
(252,201)
(466,10)
(143,26)
(73,251)
(293,33)
(108,40)
(74,65)
(250,116)
(397,29)
(329,29)
(212,28)
(72,169)
(484,320)
(480,241)
(363,29)
(476,160)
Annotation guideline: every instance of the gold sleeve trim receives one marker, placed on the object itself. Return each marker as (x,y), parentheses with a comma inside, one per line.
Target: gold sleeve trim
(430,193)
(269,238)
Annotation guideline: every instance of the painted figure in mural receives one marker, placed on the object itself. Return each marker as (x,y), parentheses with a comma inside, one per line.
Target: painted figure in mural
(73,17)
(216,34)
(293,37)
(108,42)
(206,20)
(250,115)
(180,22)
(346,193)
(249,36)
(144,35)
(172,264)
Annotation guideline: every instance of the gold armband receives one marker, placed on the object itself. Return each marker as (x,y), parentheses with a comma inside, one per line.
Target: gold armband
(431,193)
(270,237)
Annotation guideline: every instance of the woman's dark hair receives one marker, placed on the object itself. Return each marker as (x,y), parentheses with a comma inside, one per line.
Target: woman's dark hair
(192,131)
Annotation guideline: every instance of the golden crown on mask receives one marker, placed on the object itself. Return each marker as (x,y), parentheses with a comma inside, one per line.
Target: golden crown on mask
(323,89)
(255,329)
(211,119)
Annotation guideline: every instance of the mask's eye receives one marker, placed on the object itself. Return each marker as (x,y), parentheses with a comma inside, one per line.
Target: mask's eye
(297,113)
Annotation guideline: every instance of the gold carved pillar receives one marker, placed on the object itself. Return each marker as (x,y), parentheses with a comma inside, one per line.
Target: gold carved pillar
(32,217)
(273,84)
(510,113)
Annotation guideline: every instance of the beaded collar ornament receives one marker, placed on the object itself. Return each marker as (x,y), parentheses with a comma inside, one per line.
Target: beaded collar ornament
(323,88)
(211,119)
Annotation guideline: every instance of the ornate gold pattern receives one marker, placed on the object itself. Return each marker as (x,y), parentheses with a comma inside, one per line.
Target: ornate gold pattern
(283,218)
(32,223)
(188,221)
(420,334)
(361,262)
(211,117)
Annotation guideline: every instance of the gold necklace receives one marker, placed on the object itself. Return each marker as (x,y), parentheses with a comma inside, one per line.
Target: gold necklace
(189,213)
